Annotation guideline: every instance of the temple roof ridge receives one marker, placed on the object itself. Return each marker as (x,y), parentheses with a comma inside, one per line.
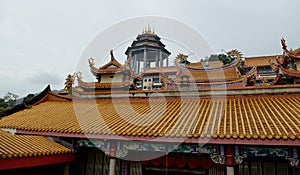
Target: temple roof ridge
(113,61)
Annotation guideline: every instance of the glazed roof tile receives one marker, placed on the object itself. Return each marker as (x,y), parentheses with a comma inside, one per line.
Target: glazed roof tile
(18,146)
(209,76)
(2,132)
(269,117)
(170,69)
(203,65)
(258,61)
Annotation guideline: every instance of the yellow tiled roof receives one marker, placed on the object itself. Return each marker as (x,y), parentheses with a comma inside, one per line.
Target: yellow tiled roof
(258,61)
(203,65)
(17,146)
(2,132)
(268,117)
(209,76)
(170,69)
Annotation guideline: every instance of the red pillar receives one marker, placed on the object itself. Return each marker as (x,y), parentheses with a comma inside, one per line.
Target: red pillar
(229,160)
(112,160)
(229,155)
(113,149)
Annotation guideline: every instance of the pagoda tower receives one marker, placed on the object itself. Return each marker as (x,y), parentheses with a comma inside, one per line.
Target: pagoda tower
(147,51)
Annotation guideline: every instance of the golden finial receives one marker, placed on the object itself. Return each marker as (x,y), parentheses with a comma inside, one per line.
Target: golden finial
(149,28)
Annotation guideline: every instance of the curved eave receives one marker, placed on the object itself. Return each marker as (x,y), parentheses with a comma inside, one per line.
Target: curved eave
(108,71)
(150,46)
(96,85)
(147,40)
(290,73)
(291,55)
(57,97)
(187,139)
(96,72)
(42,96)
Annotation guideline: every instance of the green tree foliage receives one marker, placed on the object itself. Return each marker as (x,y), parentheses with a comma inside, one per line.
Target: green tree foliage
(10,99)
(3,104)
(28,97)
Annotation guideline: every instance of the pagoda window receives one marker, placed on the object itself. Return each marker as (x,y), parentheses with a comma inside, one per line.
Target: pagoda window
(145,80)
(149,79)
(145,87)
(111,76)
(156,80)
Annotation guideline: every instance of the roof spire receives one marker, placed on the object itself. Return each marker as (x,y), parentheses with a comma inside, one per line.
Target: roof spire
(112,57)
(148,30)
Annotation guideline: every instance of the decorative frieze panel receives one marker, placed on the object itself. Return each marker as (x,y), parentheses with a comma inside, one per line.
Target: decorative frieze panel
(265,151)
(183,148)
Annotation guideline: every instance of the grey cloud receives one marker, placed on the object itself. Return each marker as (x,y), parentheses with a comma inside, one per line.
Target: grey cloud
(47,77)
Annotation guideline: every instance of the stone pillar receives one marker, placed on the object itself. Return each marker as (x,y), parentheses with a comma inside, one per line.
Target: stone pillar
(138,67)
(167,61)
(229,170)
(133,60)
(112,160)
(145,59)
(229,160)
(112,166)
(161,59)
(156,59)
(67,169)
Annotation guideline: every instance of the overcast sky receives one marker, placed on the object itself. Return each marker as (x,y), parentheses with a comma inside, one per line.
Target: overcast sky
(41,41)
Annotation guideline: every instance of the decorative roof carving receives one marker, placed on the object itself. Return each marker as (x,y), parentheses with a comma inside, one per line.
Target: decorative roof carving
(112,67)
(69,83)
(289,53)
